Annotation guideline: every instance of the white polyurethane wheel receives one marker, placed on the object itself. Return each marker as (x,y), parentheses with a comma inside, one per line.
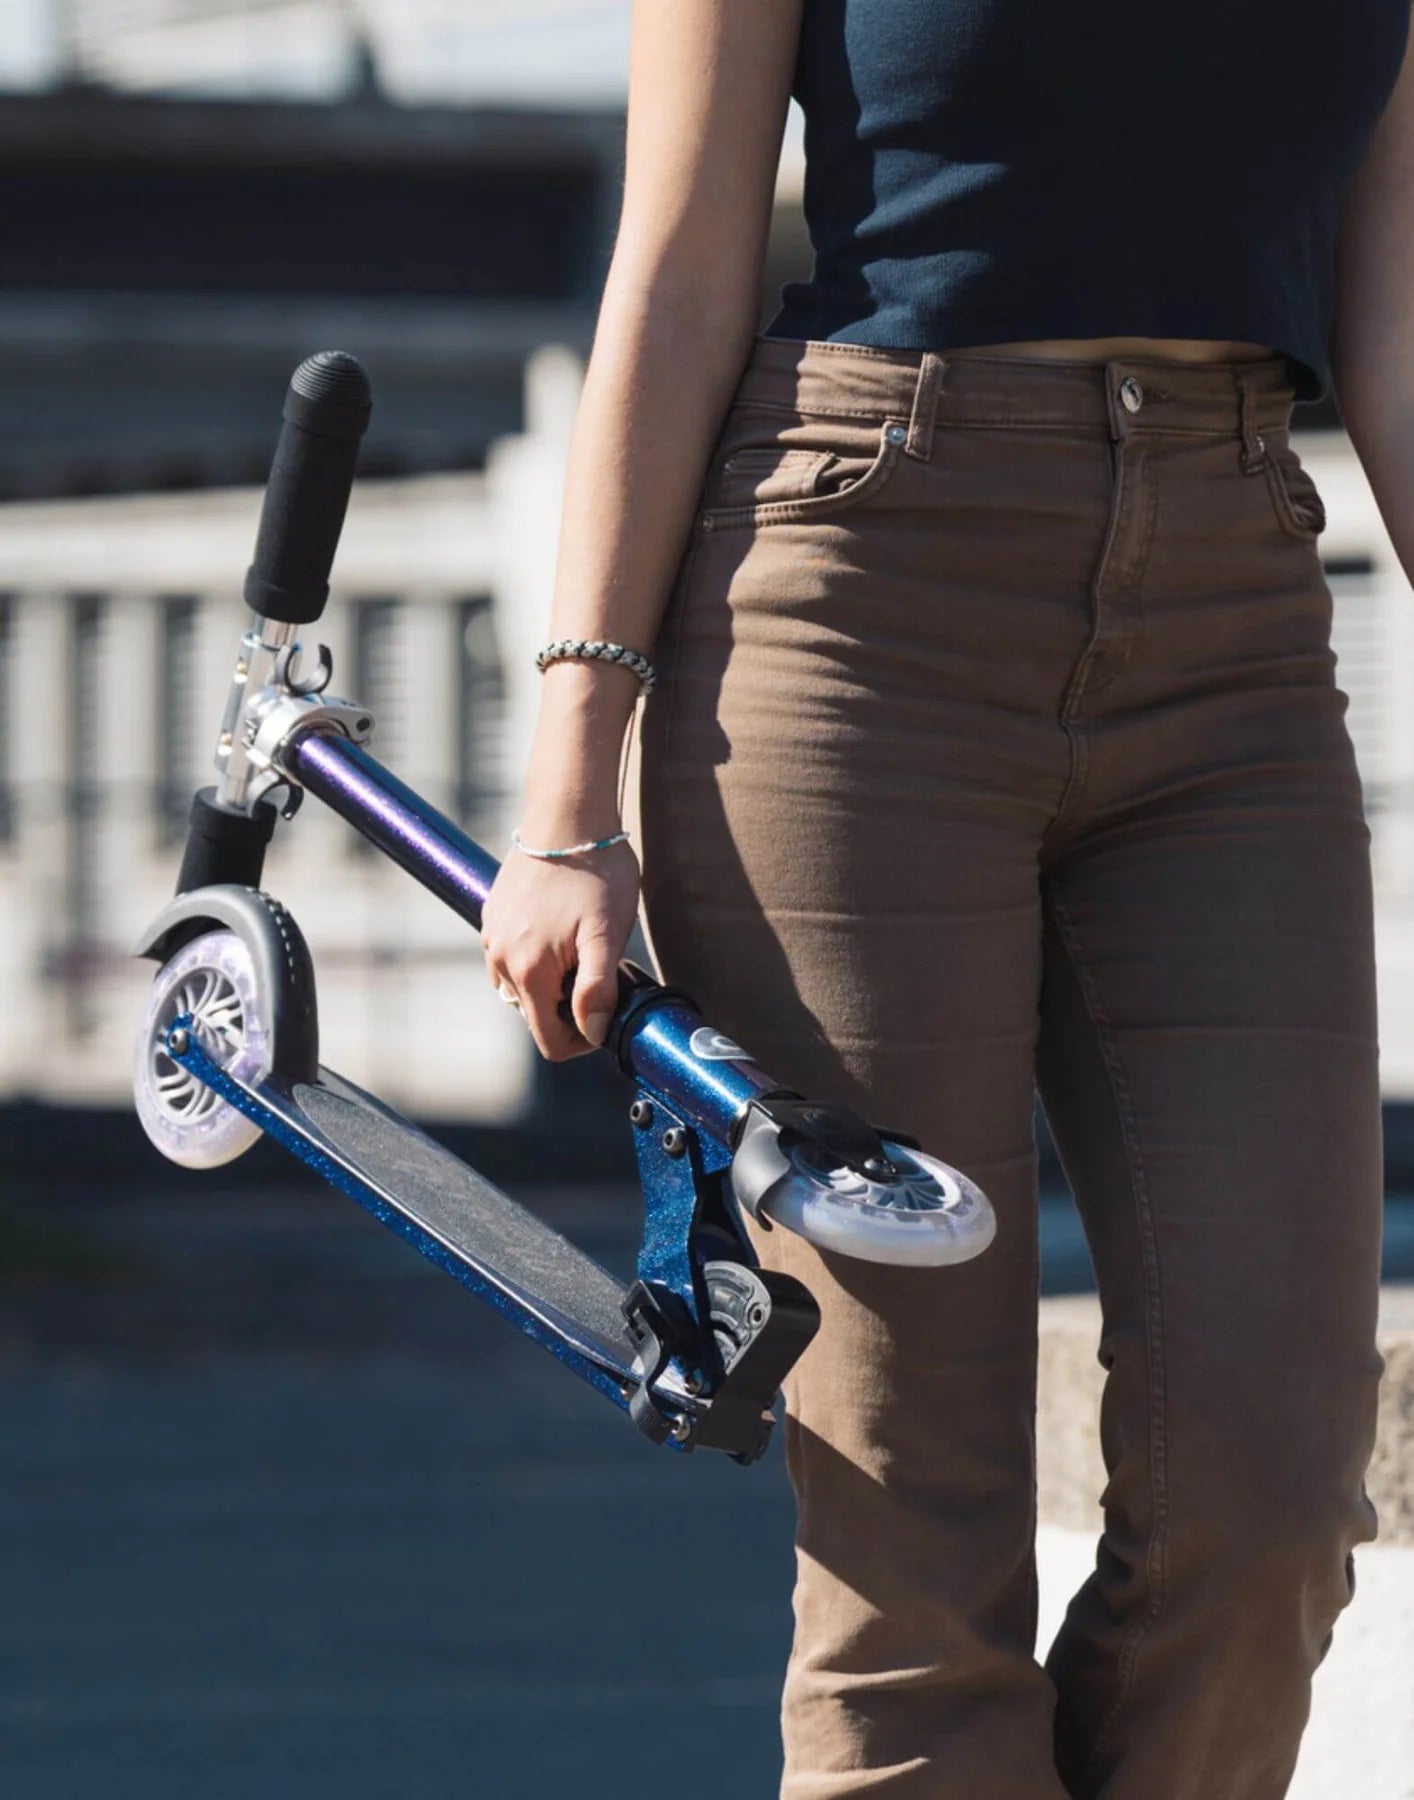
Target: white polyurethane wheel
(212,979)
(933,1216)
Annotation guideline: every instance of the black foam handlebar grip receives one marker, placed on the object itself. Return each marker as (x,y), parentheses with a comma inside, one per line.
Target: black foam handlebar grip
(327,408)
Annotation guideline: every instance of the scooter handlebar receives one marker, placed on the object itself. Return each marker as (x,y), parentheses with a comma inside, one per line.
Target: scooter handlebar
(326,412)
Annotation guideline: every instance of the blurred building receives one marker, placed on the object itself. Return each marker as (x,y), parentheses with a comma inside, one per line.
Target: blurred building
(168,261)
(118,633)
(171,251)
(567,51)
(118,623)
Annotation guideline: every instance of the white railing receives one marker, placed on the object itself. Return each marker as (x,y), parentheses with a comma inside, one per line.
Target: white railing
(119,619)
(111,605)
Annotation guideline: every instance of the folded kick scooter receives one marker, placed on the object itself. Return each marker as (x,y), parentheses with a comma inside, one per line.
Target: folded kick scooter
(696,1348)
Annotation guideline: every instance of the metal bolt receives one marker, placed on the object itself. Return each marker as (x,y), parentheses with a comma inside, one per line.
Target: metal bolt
(640,1114)
(693,1381)
(180,1041)
(896,433)
(682,1429)
(675,1140)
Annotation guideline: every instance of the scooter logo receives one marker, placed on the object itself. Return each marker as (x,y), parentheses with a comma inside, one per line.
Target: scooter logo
(713,1046)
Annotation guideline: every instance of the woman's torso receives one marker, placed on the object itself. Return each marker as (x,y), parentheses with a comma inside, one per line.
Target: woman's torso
(1020,172)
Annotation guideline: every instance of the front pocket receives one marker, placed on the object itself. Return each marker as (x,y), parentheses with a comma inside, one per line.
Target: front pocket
(1296,500)
(812,468)
(765,475)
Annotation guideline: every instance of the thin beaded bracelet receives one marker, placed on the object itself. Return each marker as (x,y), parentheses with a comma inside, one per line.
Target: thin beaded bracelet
(573,850)
(563,648)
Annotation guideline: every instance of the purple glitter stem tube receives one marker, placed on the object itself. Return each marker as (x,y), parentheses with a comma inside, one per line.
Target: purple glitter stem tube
(401,823)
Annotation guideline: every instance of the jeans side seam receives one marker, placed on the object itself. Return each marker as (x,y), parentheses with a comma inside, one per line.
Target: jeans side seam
(680,592)
(1155,1562)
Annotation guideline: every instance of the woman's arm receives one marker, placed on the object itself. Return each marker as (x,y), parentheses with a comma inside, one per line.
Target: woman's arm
(1373,341)
(708,90)
(709,85)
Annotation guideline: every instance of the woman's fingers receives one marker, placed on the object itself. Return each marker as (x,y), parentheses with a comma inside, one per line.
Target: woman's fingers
(596,985)
(540,989)
(557,949)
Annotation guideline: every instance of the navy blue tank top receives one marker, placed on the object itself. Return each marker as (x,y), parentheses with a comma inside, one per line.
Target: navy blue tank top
(979,171)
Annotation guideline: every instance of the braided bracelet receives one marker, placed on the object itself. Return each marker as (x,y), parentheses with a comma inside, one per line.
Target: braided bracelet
(564,648)
(573,850)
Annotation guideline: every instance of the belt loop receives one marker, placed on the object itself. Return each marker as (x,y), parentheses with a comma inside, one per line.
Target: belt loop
(1254,445)
(1118,413)
(929,385)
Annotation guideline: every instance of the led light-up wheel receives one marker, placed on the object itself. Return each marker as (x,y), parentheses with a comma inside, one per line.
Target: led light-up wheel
(212,981)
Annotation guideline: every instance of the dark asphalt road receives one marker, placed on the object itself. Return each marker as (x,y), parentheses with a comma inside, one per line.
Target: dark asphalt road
(260,1578)
(283,1512)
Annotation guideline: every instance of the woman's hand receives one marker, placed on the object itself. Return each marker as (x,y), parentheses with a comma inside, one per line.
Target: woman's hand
(543,920)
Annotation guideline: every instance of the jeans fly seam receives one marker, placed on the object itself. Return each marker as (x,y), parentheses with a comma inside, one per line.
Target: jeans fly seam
(1075,692)
(1155,1562)
(1131,577)
(1150,488)
(1079,752)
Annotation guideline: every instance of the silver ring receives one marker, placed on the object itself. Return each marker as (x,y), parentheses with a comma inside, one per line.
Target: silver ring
(509,996)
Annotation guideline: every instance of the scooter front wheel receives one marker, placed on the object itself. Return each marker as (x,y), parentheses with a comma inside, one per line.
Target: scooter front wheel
(212,982)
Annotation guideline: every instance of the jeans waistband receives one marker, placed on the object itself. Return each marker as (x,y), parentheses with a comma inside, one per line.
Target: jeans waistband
(1122,395)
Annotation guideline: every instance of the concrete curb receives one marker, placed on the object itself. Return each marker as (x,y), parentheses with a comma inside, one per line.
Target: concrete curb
(1071,1472)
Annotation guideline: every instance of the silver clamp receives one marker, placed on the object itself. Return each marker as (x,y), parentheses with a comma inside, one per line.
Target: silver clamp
(271,697)
(274,716)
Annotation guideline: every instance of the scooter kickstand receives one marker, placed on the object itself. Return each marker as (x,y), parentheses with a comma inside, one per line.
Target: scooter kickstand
(661,1328)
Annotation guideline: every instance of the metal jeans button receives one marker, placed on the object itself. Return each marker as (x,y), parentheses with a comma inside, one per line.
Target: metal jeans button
(1131,394)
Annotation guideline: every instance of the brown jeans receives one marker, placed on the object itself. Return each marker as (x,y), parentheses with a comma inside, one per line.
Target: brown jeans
(997,747)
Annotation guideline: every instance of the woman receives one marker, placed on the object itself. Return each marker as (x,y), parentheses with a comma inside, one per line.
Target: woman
(996,745)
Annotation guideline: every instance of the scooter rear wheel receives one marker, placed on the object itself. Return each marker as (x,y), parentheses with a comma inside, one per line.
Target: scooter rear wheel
(212,981)
(931,1216)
